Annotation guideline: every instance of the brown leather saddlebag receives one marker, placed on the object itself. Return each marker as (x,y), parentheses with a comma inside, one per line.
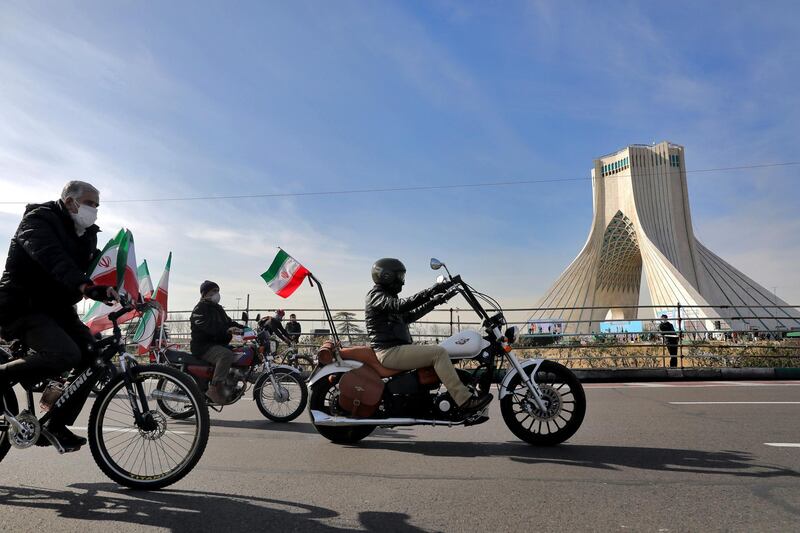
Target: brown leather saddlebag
(360,392)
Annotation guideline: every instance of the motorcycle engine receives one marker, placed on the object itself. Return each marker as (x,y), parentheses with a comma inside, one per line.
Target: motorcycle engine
(443,404)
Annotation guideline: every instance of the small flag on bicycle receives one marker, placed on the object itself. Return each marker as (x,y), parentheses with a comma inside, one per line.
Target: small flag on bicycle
(285,274)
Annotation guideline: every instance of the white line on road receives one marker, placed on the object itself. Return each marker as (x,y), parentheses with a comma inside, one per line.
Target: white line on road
(735,403)
(784,444)
(127,430)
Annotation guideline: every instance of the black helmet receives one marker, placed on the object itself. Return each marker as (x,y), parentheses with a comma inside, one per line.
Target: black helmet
(389,273)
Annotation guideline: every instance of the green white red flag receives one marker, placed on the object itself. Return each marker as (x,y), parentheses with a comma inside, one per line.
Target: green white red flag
(154,316)
(285,274)
(115,266)
(145,283)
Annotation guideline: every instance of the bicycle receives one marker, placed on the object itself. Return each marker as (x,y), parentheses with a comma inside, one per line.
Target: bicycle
(133,443)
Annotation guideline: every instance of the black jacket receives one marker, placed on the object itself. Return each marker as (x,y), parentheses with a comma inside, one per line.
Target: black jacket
(666,328)
(210,325)
(294,329)
(47,262)
(275,327)
(388,316)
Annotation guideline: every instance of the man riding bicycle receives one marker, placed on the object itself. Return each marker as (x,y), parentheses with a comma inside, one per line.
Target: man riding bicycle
(272,324)
(44,277)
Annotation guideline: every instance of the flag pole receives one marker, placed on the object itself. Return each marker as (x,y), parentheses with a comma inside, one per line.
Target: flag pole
(327,309)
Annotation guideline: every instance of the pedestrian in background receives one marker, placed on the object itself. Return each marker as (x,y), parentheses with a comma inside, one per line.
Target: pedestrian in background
(670,339)
(294,328)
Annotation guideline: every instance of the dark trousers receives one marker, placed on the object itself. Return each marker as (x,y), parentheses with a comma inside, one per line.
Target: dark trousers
(60,344)
(673,352)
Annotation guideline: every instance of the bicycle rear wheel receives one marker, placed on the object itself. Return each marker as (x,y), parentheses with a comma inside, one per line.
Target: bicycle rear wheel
(13,408)
(163,450)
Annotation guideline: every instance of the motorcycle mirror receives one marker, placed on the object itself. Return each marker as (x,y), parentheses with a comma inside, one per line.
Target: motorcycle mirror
(440,278)
(436,264)
(258,317)
(244,316)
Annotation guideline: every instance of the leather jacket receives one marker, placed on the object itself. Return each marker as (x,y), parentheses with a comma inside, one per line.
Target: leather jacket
(388,316)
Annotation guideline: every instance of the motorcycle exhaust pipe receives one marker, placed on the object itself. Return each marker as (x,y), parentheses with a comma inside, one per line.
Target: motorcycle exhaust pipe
(322,419)
(169,396)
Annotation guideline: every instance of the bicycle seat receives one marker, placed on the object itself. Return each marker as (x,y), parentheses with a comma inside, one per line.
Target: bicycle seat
(366,355)
(177,357)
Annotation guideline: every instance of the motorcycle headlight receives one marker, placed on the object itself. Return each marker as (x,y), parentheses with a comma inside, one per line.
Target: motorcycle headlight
(511,334)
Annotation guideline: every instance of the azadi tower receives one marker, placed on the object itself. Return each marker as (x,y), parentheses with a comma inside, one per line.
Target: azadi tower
(642,221)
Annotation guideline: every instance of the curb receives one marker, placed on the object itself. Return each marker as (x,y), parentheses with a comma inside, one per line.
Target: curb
(687,374)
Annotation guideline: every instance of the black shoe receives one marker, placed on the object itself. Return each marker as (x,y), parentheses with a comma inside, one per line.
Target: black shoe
(67,441)
(476,403)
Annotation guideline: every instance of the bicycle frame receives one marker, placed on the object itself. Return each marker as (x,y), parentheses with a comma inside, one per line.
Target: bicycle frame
(83,382)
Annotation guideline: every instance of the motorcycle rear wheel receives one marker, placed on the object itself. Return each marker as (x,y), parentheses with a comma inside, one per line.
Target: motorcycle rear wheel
(566,402)
(174,410)
(13,408)
(324,397)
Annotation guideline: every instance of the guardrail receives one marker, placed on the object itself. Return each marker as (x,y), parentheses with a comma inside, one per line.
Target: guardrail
(697,345)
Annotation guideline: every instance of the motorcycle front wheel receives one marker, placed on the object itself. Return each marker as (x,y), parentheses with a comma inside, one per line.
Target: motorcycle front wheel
(564,399)
(325,398)
(159,452)
(283,401)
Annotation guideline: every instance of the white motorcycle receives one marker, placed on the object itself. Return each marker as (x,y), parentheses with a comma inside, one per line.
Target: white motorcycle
(542,402)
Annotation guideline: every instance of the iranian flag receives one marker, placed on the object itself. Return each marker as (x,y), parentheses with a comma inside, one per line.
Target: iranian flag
(145,283)
(162,289)
(115,266)
(103,270)
(127,281)
(285,274)
(155,315)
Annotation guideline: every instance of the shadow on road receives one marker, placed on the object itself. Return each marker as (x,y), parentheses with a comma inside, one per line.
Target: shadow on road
(187,510)
(291,427)
(733,463)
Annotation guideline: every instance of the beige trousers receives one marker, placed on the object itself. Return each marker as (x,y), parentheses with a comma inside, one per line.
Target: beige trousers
(413,356)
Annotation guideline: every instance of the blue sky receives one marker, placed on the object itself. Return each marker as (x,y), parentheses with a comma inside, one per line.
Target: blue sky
(164,99)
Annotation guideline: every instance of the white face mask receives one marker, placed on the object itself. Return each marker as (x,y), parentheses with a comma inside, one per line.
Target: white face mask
(214,297)
(85,217)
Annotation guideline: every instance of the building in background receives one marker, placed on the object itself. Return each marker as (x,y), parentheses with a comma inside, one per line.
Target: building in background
(642,222)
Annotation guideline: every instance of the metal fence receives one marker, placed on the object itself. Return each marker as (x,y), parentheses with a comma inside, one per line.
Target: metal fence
(732,341)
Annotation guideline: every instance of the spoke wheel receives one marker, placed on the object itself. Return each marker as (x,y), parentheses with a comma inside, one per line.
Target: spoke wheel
(13,408)
(325,398)
(284,401)
(174,409)
(161,451)
(564,406)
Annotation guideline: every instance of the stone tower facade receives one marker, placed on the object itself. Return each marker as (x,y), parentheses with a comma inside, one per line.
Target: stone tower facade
(642,221)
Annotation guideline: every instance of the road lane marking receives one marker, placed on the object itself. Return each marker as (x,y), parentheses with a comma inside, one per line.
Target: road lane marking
(691,384)
(784,444)
(127,430)
(735,403)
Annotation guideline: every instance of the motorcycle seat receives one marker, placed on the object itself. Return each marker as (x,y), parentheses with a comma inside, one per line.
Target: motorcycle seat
(177,357)
(366,355)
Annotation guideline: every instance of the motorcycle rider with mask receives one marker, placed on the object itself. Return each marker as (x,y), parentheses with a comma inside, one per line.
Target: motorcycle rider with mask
(212,330)
(45,276)
(387,319)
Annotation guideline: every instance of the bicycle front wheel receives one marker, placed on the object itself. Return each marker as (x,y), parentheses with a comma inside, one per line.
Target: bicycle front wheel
(158,452)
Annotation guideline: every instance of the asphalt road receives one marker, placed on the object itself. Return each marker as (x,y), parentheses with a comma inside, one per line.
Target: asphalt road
(641,462)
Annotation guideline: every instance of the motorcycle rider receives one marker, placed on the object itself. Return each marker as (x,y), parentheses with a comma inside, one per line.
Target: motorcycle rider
(44,277)
(212,330)
(387,319)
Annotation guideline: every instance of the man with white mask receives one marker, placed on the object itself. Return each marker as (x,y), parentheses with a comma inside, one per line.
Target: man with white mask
(44,277)
(212,330)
